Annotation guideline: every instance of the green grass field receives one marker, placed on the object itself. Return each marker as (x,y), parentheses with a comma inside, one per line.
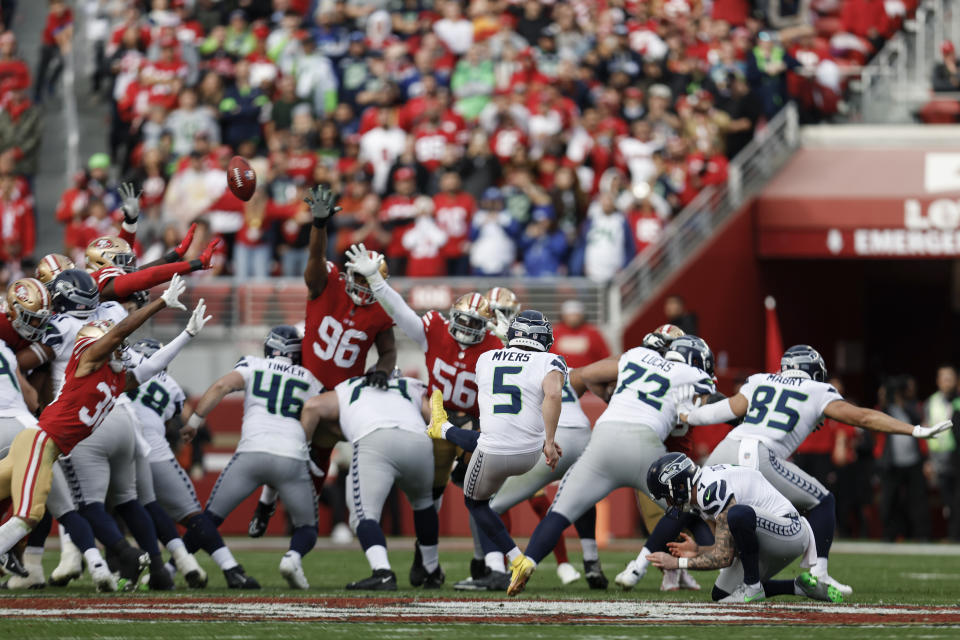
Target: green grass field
(877,579)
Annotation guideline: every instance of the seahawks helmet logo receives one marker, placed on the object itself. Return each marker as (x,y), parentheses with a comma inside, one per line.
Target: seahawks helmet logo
(673,469)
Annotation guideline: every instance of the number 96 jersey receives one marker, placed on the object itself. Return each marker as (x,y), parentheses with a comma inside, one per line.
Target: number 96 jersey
(338,333)
(783,411)
(276,391)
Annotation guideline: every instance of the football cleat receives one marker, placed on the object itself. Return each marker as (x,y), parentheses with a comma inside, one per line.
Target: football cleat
(671,580)
(521,569)
(435,580)
(438,415)
(492,581)
(192,572)
(478,568)
(261,518)
(70,567)
(817,589)
(687,582)
(629,577)
(745,595)
(418,572)
(593,572)
(292,570)
(131,562)
(159,578)
(32,562)
(567,573)
(103,578)
(10,563)
(381,580)
(839,586)
(238,579)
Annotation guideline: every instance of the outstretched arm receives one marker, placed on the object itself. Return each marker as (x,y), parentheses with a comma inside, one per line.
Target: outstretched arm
(718,412)
(229,383)
(321,202)
(598,376)
(122,287)
(386,351)
(843,411)
(149,367)
(324,407)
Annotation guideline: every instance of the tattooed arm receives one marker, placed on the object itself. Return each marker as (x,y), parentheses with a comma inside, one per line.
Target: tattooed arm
(717,556)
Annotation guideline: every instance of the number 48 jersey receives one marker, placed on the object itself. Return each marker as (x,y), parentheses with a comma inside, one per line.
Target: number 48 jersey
(783,411)
(155,402)
(276,390)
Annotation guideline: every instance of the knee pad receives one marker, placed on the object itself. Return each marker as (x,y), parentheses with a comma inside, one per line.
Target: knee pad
(718,594)
(740,517)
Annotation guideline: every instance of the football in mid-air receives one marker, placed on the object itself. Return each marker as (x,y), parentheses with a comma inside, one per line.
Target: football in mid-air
(241,178)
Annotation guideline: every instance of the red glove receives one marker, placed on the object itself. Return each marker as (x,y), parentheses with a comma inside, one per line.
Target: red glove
(186,242)
(203,262)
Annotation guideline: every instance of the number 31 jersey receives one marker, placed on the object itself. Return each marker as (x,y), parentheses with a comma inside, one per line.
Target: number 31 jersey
(642,394)
(276,390)
(783,411)
(338,333)
(511,398)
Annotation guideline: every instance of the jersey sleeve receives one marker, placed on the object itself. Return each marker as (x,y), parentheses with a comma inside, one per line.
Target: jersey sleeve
(705,386)
(748,387)
(715,495)
(81,345)
(244,368)
(827,393)
(104,275)
(556,363)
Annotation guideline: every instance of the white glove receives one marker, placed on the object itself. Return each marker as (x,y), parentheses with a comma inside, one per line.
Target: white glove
(685,399)
(131,203)
(360,261)
(171,297)
(500,327)
(197,320)
(929,432)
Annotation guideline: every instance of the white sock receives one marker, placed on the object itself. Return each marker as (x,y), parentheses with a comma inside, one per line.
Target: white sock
(589,548)
(377,557)
(224,558)
(819,569)
(494,561)
(431,556)
(64,536)
(268,495)
(293,554)
(642,562)
(11,533)
(513,554)
(93,557)
(177,549)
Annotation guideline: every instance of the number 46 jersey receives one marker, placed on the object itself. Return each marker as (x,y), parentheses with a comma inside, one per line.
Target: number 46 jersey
(276,391)
(783,411)
(642,394)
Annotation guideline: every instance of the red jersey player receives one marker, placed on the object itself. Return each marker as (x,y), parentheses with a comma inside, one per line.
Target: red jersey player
(28,308)
(96,376)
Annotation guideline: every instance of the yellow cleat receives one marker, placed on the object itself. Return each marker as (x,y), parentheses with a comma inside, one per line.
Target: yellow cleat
(438,415)
(521,569)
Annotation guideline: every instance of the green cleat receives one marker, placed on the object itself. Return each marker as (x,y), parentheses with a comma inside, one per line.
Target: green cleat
(816,590)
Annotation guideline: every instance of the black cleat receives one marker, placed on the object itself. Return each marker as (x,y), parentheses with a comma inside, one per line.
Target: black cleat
(238,579)
(10,563)
(130,563)
(381,580)
(418,572)
(593,572)
(435,580)
(261,518)
(478,568)
(160,579)
(459,471)
(493,581)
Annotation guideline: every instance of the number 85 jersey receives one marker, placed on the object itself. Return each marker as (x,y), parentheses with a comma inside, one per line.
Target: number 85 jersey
(642,394)
(783,411)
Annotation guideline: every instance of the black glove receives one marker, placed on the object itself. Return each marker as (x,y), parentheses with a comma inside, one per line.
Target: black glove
(378,379)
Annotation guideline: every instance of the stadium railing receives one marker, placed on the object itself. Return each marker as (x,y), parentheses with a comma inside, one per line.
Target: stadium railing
(749,171)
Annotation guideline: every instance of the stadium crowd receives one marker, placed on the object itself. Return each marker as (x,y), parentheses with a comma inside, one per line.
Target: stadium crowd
(484,137)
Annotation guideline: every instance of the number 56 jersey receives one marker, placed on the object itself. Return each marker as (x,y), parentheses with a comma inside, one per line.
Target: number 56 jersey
(783,411)
(642,394)
(276,391)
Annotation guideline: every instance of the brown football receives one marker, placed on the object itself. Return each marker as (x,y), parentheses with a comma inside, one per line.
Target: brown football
(241,178)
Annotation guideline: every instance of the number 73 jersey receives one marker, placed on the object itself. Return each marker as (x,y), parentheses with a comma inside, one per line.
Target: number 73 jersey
(276,391)
(783,411)
(642,395)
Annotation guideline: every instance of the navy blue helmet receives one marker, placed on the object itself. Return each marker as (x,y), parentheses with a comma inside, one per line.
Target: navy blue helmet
(530,329)
(75,293)
(692,350)
(671,478)
(147,346)
(283,341)
(803,357)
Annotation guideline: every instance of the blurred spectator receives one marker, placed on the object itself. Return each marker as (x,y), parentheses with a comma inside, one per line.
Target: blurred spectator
(946,77)
(492,234)
(473,81)
(454,209)
(543,244)
(943,448)
(675,309)
(192,191)
(188,121)
(19,127)
(13,70)
(100,185)
(579,342)
(17,229)
(767,66)
(56,41)
(424,241)
(608,240)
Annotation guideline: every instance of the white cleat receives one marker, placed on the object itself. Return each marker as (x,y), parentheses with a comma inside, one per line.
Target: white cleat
(191,570)
(629,577)
(567,573)
(103,578)
(745,595)
(845,589)
(70,567)
(32,562)
(687,582)
(292,570)
(671,580)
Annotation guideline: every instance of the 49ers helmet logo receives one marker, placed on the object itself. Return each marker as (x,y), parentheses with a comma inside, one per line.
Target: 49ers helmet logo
(22,293)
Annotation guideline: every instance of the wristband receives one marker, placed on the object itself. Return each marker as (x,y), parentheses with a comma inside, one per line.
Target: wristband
(683,563)
(195,421)
(320,223)
(196,264)
(128,225)
(172,256)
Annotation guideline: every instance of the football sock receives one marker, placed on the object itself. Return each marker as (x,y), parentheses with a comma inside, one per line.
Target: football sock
(545,536)
(140,525)
(431,556)
(38,537)
(166,529)
(589,548)
(77,530)
(224,558)
(743,526)
(541,505)
(11,532)
(426,524)
(477,547)
(463,438)
(268,495)
(773,588)
(377,556)
(303,539)
(643,560)
(370,534)
(823,521)
(176,548)
(513,554)
(104,527)
(494,561)
(490,524)
(586,525)
(93,557)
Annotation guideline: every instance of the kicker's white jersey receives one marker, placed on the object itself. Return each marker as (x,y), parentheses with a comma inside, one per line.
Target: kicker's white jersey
(720,483)
(276,390)
(642,394)
(783,411)
(571,413)
(510,384)
(12,403)
(155,402)
(364,409)
(61,334)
